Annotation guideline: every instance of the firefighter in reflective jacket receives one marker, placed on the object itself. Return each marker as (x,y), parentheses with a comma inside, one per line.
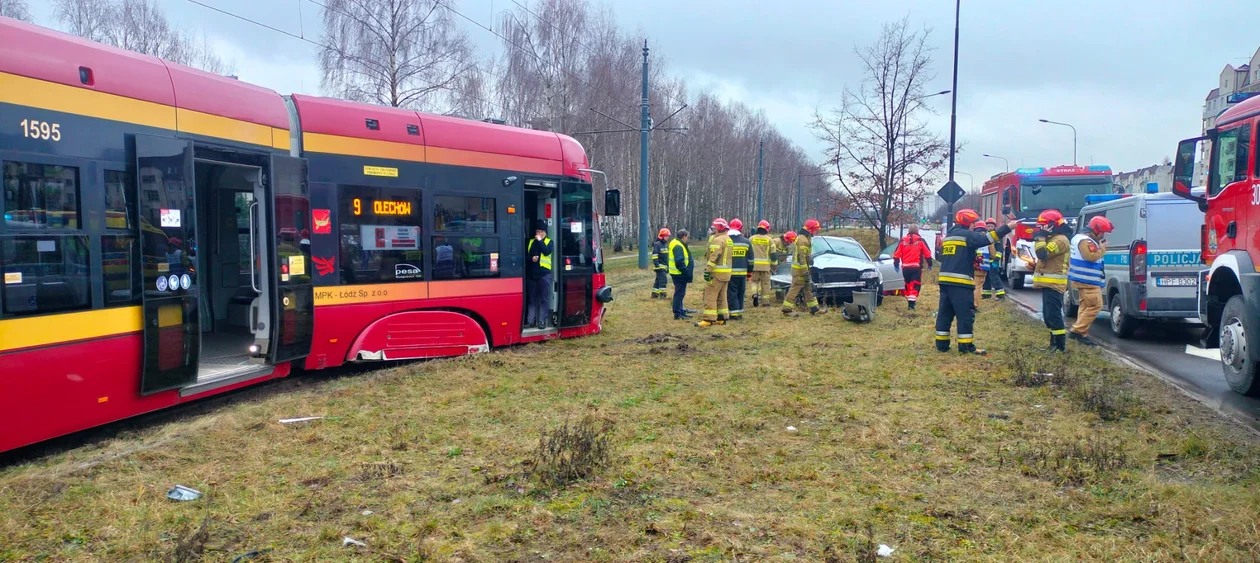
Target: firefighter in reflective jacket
(957,279)
(717,275)
(660,263)
(912,252)
(763,248)
(1051,245)
(993,282)
(801,261)
(1085,271)
(982,264)
(741,263)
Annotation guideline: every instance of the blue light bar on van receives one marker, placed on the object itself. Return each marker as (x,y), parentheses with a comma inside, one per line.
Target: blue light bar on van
(1099,198)
(1099,168)
(1029,171)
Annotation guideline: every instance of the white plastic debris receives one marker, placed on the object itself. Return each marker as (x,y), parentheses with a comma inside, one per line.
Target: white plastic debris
(182,493)
(791,429)
(1038,406)
(884,551)
(366,513)
(457,501)
(299,419)
(347,540)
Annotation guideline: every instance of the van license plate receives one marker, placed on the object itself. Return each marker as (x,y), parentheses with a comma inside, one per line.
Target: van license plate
(1176,281)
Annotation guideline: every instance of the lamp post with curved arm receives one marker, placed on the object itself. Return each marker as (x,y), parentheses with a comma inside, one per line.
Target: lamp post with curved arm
(1069,125)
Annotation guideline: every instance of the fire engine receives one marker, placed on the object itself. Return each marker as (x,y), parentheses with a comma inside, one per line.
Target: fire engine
(1229,289)
(1025,193)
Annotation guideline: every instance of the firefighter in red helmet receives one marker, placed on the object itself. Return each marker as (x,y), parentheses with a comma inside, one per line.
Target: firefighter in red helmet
(717,276)
(763,246)
(957,279)
(741,265)
(911,254)
(660,263)
(993,282)
(1085,271)
(1051,245)
(801,261)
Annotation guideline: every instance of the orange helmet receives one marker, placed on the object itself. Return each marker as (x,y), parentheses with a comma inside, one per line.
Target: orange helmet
(991,221)
(1050,217)
(790,237)
(966,217)
(812,226)
(764,224)
(663,233)
(719,224)
(1101,225)
(737,224)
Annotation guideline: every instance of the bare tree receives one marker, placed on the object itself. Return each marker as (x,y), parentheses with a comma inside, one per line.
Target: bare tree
(140,26)
(400,53)
(875,122)
(15,9)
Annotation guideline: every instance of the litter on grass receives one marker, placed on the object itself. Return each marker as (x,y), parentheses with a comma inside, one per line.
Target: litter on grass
(182,493)
(300,419)
(885,551)
(348,541)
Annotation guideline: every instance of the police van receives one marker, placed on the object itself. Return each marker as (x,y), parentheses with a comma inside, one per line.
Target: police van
(1152,261)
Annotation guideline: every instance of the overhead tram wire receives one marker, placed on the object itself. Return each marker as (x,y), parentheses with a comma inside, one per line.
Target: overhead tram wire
(316,43)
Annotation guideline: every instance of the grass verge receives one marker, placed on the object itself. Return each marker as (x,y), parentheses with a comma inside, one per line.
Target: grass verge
(769,439)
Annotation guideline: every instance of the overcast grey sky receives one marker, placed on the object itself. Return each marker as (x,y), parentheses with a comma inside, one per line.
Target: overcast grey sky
(1131,75)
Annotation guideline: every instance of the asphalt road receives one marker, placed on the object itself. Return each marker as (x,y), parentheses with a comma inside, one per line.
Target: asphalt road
(1161,348)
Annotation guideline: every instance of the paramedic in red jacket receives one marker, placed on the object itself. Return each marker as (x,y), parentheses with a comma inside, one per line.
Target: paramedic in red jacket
(910,255)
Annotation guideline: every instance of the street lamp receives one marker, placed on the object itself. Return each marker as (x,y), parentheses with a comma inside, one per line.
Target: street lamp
(970,180)
(1007,163)
(1073,136)
(905,117)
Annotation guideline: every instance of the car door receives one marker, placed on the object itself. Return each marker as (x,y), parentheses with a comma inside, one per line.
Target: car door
(893,280)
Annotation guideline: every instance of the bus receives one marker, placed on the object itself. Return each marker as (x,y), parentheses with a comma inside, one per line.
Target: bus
(1025,193)
(171,234)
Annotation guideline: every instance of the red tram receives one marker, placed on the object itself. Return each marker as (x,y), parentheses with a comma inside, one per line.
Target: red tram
(171,234)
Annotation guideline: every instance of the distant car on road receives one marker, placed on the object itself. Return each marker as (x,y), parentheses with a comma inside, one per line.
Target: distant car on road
(841,266)
(1152,261)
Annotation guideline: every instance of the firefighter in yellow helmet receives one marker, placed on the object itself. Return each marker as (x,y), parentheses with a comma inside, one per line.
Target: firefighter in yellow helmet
(802,259)
(717,275)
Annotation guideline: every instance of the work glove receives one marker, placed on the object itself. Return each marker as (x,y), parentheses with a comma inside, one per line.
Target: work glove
(708,277)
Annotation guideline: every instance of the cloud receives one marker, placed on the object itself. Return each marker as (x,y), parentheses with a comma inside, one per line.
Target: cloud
(286,72)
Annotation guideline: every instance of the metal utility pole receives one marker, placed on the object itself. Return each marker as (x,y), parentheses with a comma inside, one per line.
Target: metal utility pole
(1073,136)
(798,200)
(645,127)
(761,176)
(953,115)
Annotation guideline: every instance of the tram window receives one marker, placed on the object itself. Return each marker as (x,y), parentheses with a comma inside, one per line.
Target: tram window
(41,196)
(465,257)
(120,260)
(458,214)
(117,212)
(380,235)
(45,274)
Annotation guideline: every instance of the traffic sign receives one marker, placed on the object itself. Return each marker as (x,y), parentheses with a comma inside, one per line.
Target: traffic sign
(951,192)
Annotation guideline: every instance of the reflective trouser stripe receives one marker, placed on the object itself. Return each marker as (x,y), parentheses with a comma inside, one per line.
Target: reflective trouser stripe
(1057,332)
(958,279)
(942,335)
(966,338)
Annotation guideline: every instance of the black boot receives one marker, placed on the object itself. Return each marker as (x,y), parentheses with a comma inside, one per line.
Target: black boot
(910,305)
(943,345)
(1082,339)
(756,301)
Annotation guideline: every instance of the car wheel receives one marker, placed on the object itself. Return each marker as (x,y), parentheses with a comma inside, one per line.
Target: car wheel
(1017,280)
(879,297)
(1238,355)
(1121,324)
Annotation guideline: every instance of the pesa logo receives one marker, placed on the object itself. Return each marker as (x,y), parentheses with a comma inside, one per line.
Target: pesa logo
(406,272)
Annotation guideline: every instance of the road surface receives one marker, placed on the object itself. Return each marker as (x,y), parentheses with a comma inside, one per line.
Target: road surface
(1161,348)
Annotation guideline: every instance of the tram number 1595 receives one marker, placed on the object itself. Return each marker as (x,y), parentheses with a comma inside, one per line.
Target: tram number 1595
(32,129)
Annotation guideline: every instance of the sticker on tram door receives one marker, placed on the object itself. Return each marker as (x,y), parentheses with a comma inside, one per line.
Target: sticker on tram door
(185,281)
(161,283)
(406,272)
(322,219)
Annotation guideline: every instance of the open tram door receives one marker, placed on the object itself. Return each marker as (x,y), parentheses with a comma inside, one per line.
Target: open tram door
(287,268)
(577,263)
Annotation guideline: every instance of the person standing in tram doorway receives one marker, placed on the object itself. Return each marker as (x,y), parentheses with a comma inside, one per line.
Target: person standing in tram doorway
(539,251)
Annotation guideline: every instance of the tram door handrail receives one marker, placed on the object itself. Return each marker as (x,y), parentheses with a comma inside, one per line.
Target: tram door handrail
(253,247)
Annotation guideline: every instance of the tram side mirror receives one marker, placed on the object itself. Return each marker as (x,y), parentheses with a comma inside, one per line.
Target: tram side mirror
(612,203)
(1183,170)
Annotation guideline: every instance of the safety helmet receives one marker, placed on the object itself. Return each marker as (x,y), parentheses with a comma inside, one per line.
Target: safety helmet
(663,233)
(991,221)
(737,224)
(719,224)
(812,226)
(978,226)
(764,224)
(790,236)
(1101,225)
(966,217)
(1050,217)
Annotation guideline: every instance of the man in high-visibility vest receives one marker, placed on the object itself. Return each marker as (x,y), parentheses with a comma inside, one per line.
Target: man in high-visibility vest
(660,262)
(717,276)
(680,270)
(741,263)
(763,247)
(539,251)
(802,258)
(1051,245)
(1085,271)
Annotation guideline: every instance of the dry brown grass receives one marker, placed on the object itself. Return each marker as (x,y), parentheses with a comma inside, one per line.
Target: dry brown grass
(939,456)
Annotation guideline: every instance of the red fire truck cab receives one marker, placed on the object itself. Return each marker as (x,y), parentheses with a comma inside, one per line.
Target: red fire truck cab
(1229,289)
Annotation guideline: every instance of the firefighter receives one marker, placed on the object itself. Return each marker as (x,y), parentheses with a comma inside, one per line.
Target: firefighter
(993,282)
(957,280)
(912,252)
(763,248)
(717,276)
(741,262)
(1085,271)
(1051,245)
(660,262)
(981,265)
(801,260)
(680,270)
